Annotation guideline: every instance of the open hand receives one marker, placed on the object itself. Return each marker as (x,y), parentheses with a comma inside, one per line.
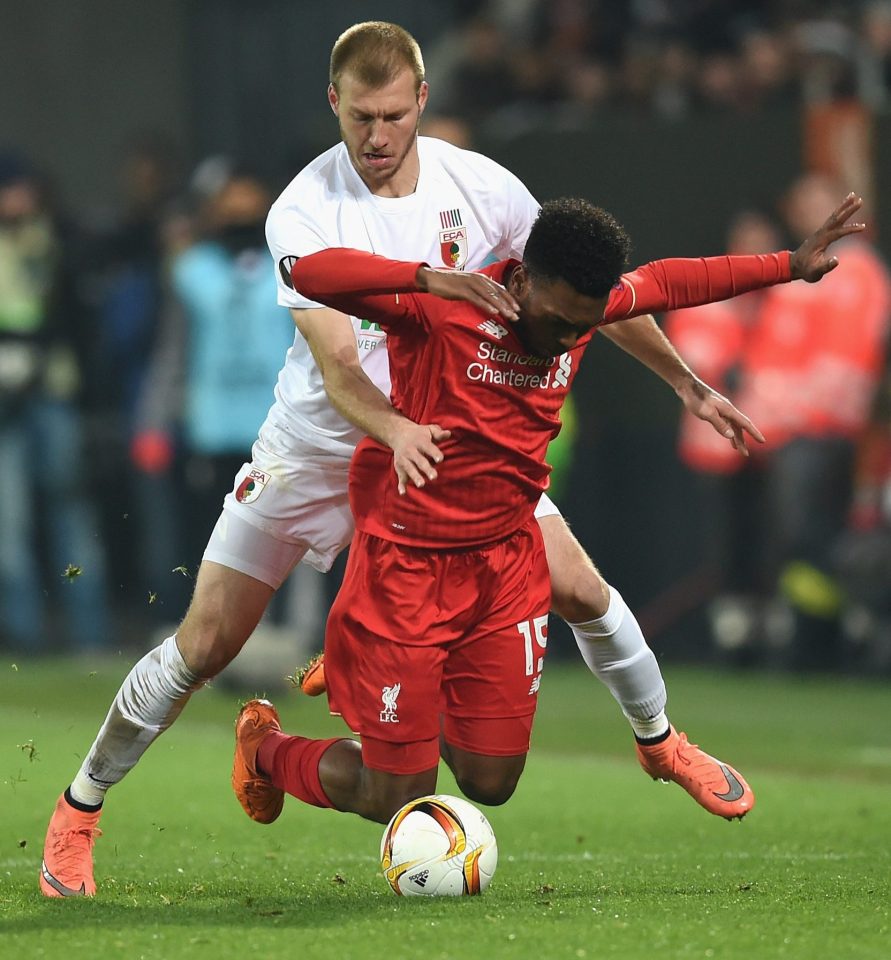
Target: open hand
(707,404)
(811,261)
(415,453)
(475,288)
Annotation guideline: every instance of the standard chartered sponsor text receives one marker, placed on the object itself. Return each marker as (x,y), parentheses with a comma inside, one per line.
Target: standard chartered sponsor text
(505,359)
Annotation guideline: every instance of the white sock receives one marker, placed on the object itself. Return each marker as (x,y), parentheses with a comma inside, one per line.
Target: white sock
(616,653)
(151,697)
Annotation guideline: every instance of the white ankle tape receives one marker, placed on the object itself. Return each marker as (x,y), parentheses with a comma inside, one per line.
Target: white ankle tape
(156,689)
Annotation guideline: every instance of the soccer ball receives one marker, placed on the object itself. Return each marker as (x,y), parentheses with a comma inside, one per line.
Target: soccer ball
(438,846)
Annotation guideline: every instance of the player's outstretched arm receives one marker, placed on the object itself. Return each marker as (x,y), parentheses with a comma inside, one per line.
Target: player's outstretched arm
(674,284)
(811,261)
(330,336)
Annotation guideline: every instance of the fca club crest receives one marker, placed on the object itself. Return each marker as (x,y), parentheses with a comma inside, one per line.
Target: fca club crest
(251,487)
(452,239)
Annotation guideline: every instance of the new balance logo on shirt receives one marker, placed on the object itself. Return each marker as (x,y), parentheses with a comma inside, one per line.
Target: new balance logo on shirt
(493,329)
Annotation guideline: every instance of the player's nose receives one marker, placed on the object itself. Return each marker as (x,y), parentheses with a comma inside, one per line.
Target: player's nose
(376,137)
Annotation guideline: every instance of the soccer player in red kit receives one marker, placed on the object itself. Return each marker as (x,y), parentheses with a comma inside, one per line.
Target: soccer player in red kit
(436,641)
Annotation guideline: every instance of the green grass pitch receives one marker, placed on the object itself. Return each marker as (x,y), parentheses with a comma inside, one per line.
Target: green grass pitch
(595,859)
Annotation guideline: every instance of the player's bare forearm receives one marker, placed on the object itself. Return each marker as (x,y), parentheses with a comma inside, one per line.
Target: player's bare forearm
(330,337)
(359,401)
(355,397)
(642,339)
(414,445)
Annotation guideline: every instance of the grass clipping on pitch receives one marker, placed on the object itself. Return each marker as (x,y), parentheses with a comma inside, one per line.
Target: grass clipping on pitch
(596,860)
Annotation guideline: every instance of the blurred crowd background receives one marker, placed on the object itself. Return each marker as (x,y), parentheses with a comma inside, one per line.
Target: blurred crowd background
(140,340)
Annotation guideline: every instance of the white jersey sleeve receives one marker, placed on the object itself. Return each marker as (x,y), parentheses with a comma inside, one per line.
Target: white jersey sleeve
(291,233)
(520,211)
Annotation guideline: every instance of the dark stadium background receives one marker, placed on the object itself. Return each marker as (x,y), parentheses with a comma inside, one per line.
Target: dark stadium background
(248,80)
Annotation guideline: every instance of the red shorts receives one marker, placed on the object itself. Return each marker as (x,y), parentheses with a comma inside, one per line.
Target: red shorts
(423,640)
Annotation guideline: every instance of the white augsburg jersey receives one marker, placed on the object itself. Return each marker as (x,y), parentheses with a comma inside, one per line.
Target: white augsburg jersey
(467,210)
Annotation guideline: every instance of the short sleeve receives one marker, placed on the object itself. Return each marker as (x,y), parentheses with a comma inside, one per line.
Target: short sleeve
(520,212)
(290,234)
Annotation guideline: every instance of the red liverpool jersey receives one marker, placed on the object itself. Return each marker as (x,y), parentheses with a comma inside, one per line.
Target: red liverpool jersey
(453,365)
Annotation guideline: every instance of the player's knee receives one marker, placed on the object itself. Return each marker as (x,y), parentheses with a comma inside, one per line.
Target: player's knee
(226,607)
(491,788)
(578,592)
(207,643)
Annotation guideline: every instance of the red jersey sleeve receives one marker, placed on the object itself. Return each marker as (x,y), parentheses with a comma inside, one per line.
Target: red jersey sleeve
(678,283)
(358,283)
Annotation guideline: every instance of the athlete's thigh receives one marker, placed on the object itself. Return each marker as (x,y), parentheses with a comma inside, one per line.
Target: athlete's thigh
(492,676)
(238,543)
(577,588)
(384,657)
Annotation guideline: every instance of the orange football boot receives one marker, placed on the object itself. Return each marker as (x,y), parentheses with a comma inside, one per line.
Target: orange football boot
(67,868)
(712,783)
(312,677)
(260,800)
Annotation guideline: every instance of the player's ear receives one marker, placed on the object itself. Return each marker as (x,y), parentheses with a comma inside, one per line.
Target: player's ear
(423,93)
(333,99)
(519,282)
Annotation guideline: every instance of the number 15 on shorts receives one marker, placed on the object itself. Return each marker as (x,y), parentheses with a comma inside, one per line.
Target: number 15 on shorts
(534,631)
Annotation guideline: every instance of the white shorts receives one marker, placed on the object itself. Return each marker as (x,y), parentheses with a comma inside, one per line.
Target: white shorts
(279,514)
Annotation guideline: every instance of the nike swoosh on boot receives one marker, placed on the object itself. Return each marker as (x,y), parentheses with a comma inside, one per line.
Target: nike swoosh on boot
(59,886)
(736,788)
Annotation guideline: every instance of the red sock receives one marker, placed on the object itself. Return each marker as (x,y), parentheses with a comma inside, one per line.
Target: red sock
(292,763)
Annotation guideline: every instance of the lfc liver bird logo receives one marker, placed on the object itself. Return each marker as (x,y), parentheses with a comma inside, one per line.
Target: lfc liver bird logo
(389,695)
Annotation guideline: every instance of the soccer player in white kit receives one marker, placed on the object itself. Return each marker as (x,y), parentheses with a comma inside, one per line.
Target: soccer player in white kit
(385,190)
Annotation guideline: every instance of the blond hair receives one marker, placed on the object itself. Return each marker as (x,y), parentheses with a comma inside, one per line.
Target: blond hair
(374,53)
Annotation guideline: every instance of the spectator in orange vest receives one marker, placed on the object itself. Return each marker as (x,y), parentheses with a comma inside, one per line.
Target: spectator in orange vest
(811,367)
(711,339)
(805,364)
(728,574)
